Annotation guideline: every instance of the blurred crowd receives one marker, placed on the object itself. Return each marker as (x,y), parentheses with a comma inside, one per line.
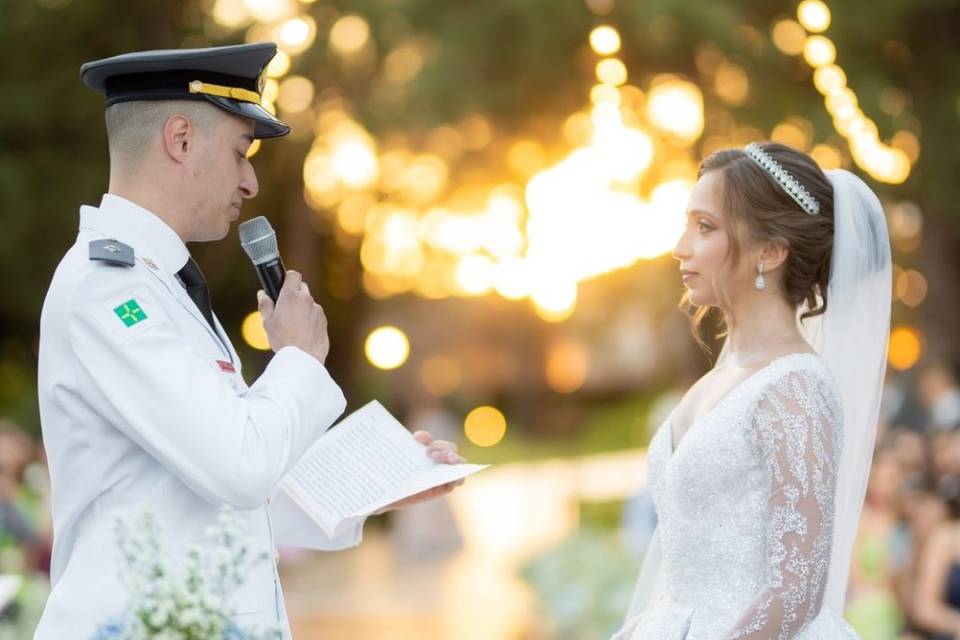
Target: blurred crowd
(25,529)
(905,579)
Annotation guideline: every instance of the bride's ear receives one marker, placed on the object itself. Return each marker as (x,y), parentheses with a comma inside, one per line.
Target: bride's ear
(774,254)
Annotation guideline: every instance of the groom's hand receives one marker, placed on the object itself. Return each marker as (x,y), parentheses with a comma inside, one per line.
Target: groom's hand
(441,451)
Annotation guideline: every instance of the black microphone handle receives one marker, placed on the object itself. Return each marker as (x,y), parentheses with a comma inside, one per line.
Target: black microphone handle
(271,276)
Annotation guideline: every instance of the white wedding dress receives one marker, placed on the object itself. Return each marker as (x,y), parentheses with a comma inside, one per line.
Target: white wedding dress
(746,513)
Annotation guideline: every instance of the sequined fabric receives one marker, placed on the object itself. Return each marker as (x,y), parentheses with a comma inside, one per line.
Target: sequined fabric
(745,508)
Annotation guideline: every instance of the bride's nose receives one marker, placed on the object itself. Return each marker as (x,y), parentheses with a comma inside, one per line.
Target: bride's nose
(682,249)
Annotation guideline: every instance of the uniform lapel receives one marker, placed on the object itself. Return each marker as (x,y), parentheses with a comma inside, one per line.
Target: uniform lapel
(180,293)
(122,220)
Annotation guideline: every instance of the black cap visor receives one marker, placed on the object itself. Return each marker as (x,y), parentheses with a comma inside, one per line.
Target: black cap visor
(265,124)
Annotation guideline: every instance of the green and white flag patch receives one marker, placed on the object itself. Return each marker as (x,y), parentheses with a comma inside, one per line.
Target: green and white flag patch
(127,315)
(130,313)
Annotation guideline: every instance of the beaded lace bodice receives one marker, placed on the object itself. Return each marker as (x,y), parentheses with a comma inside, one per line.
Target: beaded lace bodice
(745,506)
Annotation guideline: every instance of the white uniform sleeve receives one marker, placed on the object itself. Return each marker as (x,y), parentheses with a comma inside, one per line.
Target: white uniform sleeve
(170,399)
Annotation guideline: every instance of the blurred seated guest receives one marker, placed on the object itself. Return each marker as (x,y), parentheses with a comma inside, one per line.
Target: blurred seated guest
(936,601)
(940,394)
(921,510)
(894,400)
(16,530)
(871,606)
(945,456)
(911,450)
(35,502)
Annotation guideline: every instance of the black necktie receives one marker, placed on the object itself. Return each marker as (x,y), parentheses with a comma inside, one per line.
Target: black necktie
(196,286)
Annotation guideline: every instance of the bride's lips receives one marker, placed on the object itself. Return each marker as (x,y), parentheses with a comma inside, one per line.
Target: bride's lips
(687,275)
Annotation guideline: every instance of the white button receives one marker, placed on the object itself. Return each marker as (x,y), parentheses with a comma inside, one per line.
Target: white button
(276,557)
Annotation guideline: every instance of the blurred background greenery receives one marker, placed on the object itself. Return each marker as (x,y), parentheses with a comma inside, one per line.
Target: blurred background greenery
(484,195)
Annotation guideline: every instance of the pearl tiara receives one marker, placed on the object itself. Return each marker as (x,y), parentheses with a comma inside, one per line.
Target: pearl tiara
(793,188)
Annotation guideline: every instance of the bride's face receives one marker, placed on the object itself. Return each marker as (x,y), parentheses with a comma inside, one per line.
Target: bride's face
(702,249)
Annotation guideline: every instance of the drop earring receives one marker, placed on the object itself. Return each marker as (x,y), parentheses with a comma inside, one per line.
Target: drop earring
(760,282)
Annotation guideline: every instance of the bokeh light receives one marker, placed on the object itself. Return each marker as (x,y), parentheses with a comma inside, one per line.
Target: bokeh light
(731,84)
(906,347)
(349,35)
(605,40)
(566,368)
(269,11)
(828,157)
(814,15)
(253,332)
(279,65)
(789,37)
(295,94)
(230,13)
(795,132)
(675,106)
(819,51)
(387,347)
(911,288)
(485,426)
(297,34)
(611,71)
(829,79)
(554,300)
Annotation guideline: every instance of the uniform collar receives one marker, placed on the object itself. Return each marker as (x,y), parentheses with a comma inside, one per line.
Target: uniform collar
(122,220)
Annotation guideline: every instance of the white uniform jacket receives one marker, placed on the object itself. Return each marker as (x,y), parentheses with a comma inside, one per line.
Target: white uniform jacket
(143,406)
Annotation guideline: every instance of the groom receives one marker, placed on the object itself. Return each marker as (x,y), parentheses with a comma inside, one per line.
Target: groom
(142,401)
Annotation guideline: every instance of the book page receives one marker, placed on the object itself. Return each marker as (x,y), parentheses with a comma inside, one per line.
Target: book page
(365,463)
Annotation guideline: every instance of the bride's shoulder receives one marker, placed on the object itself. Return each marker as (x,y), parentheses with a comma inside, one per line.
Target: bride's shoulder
(795,374)
(799,379)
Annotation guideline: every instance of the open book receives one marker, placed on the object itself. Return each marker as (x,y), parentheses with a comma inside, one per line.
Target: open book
(363,464)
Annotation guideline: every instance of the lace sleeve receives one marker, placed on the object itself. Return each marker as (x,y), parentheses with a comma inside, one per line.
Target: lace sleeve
(798,426)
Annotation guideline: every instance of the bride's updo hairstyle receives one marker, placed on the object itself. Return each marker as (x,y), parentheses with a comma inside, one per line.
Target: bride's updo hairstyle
(758,209)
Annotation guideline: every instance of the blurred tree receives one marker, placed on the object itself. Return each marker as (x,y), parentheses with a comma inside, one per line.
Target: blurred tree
(521,64)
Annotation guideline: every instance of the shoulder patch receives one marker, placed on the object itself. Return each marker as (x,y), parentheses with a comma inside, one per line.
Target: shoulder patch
(112,252)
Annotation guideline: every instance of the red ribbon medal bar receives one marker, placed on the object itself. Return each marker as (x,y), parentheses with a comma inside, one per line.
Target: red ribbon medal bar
(226,366)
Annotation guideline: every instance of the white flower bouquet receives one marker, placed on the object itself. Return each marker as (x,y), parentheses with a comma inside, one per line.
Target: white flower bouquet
(187,602)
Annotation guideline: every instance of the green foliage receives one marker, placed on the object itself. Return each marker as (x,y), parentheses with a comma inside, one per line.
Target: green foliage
(584,584)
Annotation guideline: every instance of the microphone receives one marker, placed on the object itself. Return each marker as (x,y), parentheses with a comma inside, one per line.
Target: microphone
(259,240)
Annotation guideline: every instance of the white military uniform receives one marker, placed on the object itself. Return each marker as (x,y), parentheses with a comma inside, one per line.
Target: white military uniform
(140,410)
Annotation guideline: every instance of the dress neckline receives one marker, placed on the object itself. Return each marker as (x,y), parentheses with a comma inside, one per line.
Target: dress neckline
(726,396)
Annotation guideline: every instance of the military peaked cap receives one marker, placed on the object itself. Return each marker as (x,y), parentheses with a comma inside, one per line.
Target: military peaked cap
(229,77)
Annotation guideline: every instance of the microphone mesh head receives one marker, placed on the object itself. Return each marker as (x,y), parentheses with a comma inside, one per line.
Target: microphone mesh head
(259,240)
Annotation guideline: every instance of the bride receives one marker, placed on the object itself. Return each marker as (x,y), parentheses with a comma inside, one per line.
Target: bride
(758,476)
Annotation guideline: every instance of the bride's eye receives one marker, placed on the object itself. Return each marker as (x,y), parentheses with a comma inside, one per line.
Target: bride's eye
(703,227)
